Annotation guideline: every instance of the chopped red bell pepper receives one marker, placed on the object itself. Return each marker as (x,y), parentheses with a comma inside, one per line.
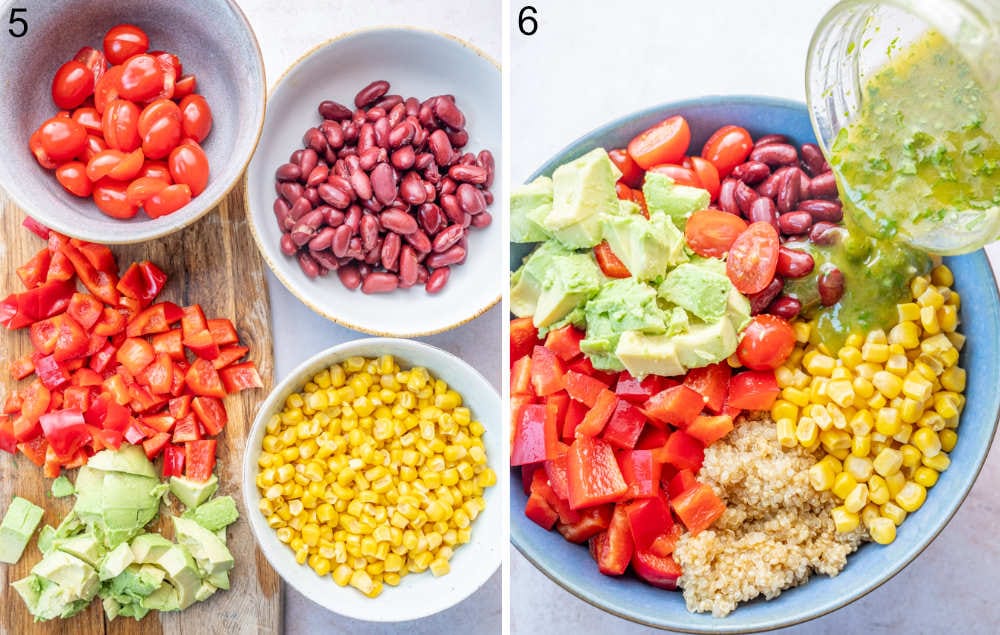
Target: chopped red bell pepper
(560,402)
(613,548)
(77,398)
(202,345)
(712,383)
(753,390)
(541,485)
(625,425)
(180,407)
(593,474)
(597,417)
(35,272)
(584,366)
(203,379)
(664,544)
(639,391)
(547,372)
(170,343)
(200,459)
(158,375)
(8,442)
(229,356)
(51,373)
(154,445)
(677,405)
(159,422)
(681,482)
(237,377)
(100,282)
(682,451)
(85,309)
(662,572)
(155,319)
(65,430)
(709,429)
(100,257)
(520,377)
(583,388)
(535,435)
(173,461)
(22,367)
(523,338)
(575,412)
(211,413)
(641,472)
(652,438)
(142,281)
(593,520)
(555,470)
(186,429)
(35,450)
(609,263)
(35,227)
(60,268)
(22,309)
(540,512)
(193,320)
(648,518)
(698,507)
(565,342)
(223,332)
(135,354)
(61,336)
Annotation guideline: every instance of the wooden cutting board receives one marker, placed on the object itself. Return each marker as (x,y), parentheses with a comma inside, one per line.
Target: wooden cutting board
(216,264)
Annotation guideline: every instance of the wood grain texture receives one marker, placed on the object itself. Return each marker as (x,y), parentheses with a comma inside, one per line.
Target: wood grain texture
(216,264)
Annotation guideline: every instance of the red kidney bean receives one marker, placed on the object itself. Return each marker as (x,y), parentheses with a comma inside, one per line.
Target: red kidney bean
(775,154)
(430,218)
(426,116)
(308,265)
(301,207)
(311,195)
(451,256)
(471,199)
(334,195)
(333,110)
(318,175)
(364,269)
(794,223)
(751,172)
(350,131)
(805,185)
(288,172)
(448,238)
(825,233)
(769,186)
(354,249)
(341,241)
(763,210)
(291,192)
(401,134)
(771,138)
(813,160)
(831,286)
(727,196)
(396,114)
(383,183)
(330,156)
(468,173)
(412,105)
(379,282)
(333,134)
(371,93)
(447,186)
(308,160)
(481,220)
(760,300)
(369,232)
(314,139)
(389,102)
(399,222)
(390,251)
(331,216)
(301,234)
(823,210)
(485,160)
(789,190)
(431,173)
(368,159)
(794,263)
(411,189)
(785,307)
(419,240)
(288,246)
(458,138)
(449,114)
(361,185)
(375,113)
(282,212)
(407,266)
(322,240)
(824,186)
(437,280)
(366,137)
(403,158)
(353,218)
(382,130)
(451,208)
(422,274)
(440,146)
(325,260)
(745,196)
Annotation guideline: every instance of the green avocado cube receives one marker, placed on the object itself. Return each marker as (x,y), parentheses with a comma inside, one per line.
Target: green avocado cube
(216,514)
(193,493)
(698,289)
(663,196)
(61,487)
(528,202)
(19,523)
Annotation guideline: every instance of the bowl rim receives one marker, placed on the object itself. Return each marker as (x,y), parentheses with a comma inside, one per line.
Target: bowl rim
(156,232)
(394,346)
(273,266)
(516,537)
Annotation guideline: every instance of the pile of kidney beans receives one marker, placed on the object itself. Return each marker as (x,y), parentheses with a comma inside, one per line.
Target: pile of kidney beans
(794,190)
(383,194)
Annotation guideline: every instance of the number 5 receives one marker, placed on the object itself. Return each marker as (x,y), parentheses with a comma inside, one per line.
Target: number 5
(14,20)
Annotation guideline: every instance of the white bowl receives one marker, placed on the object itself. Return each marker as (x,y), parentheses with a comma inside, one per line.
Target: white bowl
(419,595)
(416,63)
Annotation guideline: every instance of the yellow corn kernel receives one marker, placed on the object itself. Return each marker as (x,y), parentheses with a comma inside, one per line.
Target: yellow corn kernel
(843,484)
(861,445)
(927,441)
(849,356)
(893,512)
(875,353)
(806,431)
(929,320)
(785,428)
(844,520)
(888,462)
(878,490)
(948,440)
(835,440)
(841,392)
(888,384)
(938,462)
(895,483)
(887,421)
(817,364)
(882,530)
(857,498)
(953,379)
(947,318)
(783,409)
(821,476)
(797,396)
(858,467)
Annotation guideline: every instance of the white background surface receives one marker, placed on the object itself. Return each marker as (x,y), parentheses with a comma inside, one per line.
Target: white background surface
(286,30)
(591,62)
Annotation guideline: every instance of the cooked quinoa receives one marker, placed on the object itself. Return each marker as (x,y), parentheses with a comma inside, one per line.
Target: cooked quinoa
(776,530)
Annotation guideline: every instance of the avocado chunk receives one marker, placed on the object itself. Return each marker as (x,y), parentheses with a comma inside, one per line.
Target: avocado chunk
(149,547)
(59,585)
(216,514)
(524,292)
(84,547)
(210,553)
(581,190)
(706,344)
(621,305)
(128,502)
(205,591)
(182,572)
(193,493)
(61,487)
(19,523)
(643,354)
(164,598)
(129,459)
(219,580)
(738,310)
(645,246)
(115,562)
(128,590)
(698,289)
(663,196)
(528,202)
(552,282)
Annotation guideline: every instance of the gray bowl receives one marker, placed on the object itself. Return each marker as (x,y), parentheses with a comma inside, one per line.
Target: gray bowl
(214,42)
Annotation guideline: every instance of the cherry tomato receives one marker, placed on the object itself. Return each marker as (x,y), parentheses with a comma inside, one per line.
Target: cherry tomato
(753,258)
(111,198)
(100,166)
(94,145)
(62,138)
(157,170)
(94,60)
(189,165)
(123,41)
(631,173)
(144,187)
(185,86)
(727,147)
(73,177)
(121,125)
(141,78)
(666,142)
(106,90)
(680,174)
(169,59)
(72,84)
(43,158)
(168,200)
(129,166)
(711,232)
(766,343)
(196,118)
(160,128)
(707,174)
(90,119)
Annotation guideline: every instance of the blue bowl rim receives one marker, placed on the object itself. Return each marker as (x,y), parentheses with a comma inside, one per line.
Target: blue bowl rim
(570,150)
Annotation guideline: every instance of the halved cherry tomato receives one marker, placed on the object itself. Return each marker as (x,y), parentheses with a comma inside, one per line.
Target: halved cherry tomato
(111,198)
(168,200)
(143,188)
(666,142)
(766,342)
(73,177)
(94,60)
(631,173)
(185,86)
(123,41)
(156,170)
(711,232)
(102,163)
(707,174)
(62,138)
(95,144)
(106,89)
(680,174)
(610,264)
(753,258)
(141,78)
(72,84)
(169,59)
(727,147)
(120,124)
(43,158)
(189,165)
(129,166)
(89,118)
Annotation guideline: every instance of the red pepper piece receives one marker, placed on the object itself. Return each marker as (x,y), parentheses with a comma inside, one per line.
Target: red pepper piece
(641,472)
(523,338)
(712,383)
(625,425)
(237,377)
(677,405)
(200,459)
(593,474)
(565,342)
(583,388)
(613,548)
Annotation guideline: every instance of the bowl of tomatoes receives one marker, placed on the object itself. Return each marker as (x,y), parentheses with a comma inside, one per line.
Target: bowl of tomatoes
(640,591)
(126,121)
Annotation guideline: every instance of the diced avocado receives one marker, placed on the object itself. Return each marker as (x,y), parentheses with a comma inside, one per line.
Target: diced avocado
(582,235)
(216,514)
(116,561)
(46,599)
(644,354)
(677,321)
(205,591)
(84,547)
(193,493)
(621,305)
(524,290)
(738,310)
(70,526)
(663,196)
(129,459)
(716,265)
(19,523)
(582,189)
(149,547)
(698,289)
(45,538)
(705,344)
(208,551)
(164,598)
(576,317)
(151,574)
(527,202)
(182,573)
(77,579)
(129,502)
(89,493)
(645,247)
(219,580)
(61,487)
(555,281)
(112,608)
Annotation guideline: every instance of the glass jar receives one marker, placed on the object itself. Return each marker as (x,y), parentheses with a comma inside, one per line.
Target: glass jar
(916,149)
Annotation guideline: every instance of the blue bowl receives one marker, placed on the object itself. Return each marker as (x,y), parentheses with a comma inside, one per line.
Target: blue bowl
(571,566)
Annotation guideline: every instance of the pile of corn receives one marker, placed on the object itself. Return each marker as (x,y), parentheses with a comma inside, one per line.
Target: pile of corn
(373,472)
(882,411)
